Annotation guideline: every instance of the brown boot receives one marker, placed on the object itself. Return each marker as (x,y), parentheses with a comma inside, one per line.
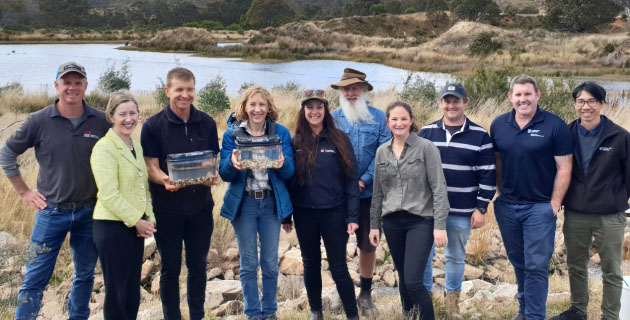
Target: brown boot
(451,301)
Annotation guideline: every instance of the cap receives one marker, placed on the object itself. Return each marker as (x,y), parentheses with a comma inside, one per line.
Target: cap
(68,67)
(314,94)
(453,89)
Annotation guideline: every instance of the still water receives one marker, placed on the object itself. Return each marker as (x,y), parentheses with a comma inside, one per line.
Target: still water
(35,66)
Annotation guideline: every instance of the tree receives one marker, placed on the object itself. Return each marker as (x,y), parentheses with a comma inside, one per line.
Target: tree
(435,12)
(268,13)
(70,13)
(377,9)
(471,10)
(579,15)
(311,10)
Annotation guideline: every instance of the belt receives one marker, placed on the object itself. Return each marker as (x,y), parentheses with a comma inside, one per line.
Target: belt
(71,205)
(259,194)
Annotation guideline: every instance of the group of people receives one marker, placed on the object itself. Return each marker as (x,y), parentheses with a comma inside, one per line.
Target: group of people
(354,170)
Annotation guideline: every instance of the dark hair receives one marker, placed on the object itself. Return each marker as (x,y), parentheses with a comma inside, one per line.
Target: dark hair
(306,141)
(406,106)
(597,91)
(179,73)
(523,79)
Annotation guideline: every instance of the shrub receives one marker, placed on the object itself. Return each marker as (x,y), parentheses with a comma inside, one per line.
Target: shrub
(483,45)
(98,99)
(113,79)
(529,10)
(417,89)
(289,86)
(377,9)
(487,84)
(161,99)
(556,97)
(213,98)
(244,86)
(234,27)
(410,10)
(609,48)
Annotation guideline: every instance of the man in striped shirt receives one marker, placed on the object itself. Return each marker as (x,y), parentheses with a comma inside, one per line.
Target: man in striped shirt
(468,165)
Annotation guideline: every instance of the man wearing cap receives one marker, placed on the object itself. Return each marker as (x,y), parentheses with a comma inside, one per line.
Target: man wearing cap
(367,130)
(533,150)
(468,165)
(63,135)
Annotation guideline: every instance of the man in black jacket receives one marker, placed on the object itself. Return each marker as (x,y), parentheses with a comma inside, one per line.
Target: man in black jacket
(596,201)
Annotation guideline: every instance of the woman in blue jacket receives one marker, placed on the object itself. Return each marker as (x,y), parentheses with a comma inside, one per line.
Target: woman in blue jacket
(325,193)
(257,200)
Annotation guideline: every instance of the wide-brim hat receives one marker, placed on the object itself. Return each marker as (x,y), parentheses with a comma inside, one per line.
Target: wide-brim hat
(351,76)
(313,94)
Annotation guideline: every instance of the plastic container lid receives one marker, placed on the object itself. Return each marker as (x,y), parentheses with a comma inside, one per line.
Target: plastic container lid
(250,141)
(190,156)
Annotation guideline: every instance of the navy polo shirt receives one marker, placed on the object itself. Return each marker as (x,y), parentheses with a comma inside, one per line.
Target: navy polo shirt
(528,167)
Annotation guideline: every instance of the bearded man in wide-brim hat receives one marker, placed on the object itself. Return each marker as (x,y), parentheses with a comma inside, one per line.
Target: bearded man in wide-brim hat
(367,130)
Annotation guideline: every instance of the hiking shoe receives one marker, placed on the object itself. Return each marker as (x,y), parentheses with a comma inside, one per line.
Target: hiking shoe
(270,317)
(316,315)
(366,305)
(571,314)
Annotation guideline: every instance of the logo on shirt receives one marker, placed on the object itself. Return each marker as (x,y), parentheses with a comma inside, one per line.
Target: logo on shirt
(88,134)
(605,149)
(327,150)
(534,133)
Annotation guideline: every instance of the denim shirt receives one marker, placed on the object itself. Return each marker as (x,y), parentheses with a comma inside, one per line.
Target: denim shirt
(365,138)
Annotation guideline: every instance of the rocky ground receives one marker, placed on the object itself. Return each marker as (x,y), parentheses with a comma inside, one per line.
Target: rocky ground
(489,285)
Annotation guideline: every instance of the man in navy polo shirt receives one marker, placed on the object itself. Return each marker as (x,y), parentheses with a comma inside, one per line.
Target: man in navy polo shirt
(534,159)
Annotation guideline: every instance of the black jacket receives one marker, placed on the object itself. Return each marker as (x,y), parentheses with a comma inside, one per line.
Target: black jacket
(606,189)
(327,187)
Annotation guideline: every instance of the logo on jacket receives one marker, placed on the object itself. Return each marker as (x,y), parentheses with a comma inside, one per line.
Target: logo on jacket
(88,134)
(534,133)
(605,149)
(327,150)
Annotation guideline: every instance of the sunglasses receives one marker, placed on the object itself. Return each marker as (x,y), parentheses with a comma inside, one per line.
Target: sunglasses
(312,93)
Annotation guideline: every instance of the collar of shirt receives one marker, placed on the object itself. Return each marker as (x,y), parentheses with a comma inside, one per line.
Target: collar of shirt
(538,117)
(87,111)
(245,125)
(448,133)
(595,130)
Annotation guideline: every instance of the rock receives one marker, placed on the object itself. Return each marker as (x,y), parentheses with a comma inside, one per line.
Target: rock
(327,279)
(231,254)
(150,314)
(296,304)
(389,278)
(330,299)
(492,273)
(213,299)
(148,268)
(229,289)
(155,284)
(351,249)
(380,255)
(7,240)
(595,259)
(471,272)
(325,265)
(97,316)
(228,275)
(99,299)
(291,263)
(99,282)
(438,273)
(229,308)
(505,292)
(356,277)
(323,252)
(149,248)
(283,247)
(557,298)
(52,307)
(213,257)
(469,288)
(214,273)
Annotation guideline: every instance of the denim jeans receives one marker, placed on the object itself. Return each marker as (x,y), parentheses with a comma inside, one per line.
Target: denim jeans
(457,230)
(49,232)
(257,221)
(528,232)
(410,238)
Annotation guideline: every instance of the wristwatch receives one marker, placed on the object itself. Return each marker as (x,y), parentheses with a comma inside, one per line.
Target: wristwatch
(483,210)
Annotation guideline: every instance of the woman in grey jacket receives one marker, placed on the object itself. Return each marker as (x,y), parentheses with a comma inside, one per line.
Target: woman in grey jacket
(410,198)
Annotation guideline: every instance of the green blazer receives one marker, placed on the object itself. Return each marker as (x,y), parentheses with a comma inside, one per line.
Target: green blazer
(122,181)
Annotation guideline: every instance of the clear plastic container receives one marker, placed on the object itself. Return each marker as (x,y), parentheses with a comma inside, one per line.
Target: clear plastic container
(259,152)
(191,168)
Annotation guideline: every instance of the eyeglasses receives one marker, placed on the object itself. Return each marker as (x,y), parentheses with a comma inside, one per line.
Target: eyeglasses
(312,93)
(590,102)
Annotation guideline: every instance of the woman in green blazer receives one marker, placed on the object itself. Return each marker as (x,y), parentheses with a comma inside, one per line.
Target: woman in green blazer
(123,215)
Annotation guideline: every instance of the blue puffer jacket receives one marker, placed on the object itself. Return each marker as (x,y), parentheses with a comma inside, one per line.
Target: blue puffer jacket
(238,179)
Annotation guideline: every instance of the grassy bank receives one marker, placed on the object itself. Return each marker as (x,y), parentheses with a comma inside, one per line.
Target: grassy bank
(17,218)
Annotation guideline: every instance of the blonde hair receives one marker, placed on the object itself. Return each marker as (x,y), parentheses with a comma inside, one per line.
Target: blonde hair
(272,112)
(117,98)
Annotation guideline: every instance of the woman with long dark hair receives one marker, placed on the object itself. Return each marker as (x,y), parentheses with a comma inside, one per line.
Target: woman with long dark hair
(325,197)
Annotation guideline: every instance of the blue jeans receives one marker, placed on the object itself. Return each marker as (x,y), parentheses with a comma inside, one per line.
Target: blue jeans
(457,230)
(528,232)
(49,232)
(257,218)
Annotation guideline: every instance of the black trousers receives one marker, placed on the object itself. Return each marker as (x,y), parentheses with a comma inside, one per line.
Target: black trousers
(410,238)
(194,231)
(311,225)
(120,252)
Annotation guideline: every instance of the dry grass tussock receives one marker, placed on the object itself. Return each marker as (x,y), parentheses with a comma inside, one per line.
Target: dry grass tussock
(17,218)
(182,39)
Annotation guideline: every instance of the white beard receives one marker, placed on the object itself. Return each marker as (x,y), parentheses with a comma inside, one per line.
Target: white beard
(357,111)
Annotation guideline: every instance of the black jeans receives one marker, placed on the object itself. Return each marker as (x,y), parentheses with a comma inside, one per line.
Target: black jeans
(195,231)
(410,238)
(330,225)
(120,252)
